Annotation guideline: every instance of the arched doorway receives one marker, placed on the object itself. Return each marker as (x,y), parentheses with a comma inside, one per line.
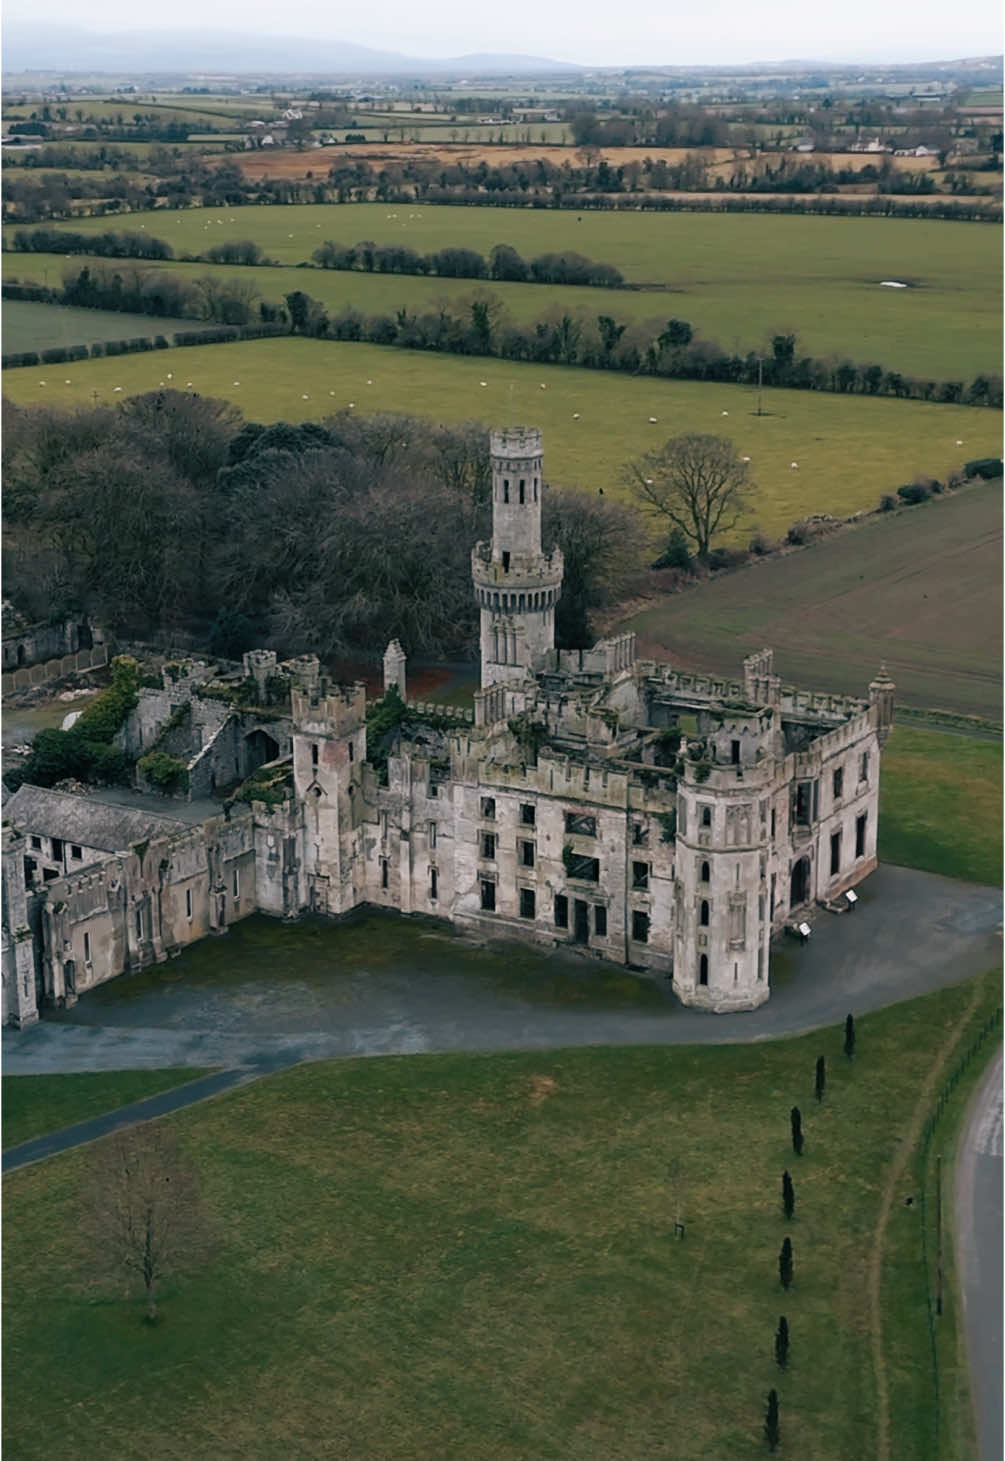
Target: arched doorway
(799,890)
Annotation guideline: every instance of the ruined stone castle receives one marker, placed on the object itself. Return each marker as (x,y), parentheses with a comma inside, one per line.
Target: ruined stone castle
(664,820)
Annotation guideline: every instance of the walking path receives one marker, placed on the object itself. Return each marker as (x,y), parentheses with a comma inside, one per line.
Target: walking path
(979,1255)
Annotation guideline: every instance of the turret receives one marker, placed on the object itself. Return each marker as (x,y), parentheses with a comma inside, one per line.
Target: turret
(517,586)
(881,693)
(329,750)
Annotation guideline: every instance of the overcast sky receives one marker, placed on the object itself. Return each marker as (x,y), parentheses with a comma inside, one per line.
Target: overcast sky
(592,32)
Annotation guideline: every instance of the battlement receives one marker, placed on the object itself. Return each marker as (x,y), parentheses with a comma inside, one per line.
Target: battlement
(329,710)
(516,443)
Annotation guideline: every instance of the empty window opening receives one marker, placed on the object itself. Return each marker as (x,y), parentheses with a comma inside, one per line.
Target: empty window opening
(139,923)
(488,896)
(772,823)
(640,877)
(528,814)
(489,846)
(383,872)
(706,816)
(36,843)
(835,852)
(57,849)
(188,902)
(600,920)
(505,561)
(581,921)
(860,823)
(734,752)
(75,852)
(87,948)
(521,489)
(489,808)
(703,969)
(527,903)
(580,824)
(561,911)
(587,869)
(237,885)
(505,489)
(314,754)
(432,834)
(703,913)
(705,872)
(640,927)
(839,783)
(640,834)
(352,751)
(432,885)
(527,854)
(863,767)
(806,803)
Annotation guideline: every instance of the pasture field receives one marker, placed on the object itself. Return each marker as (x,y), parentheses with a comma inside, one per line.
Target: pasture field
(923,343)
(850,449)
(738,279)
(28,325)
(920,589)
(940,804)
(473,1256)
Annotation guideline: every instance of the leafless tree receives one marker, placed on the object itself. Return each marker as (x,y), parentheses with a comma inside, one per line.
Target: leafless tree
(143,1211)
(693,482)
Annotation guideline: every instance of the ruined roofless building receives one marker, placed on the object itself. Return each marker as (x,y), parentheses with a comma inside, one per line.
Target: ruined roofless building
(664,820)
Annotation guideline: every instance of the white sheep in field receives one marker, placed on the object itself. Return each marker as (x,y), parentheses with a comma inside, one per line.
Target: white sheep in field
(575,415)
(794,465)
(652,420)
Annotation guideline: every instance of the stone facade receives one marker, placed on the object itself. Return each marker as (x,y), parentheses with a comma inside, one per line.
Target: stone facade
(664,820)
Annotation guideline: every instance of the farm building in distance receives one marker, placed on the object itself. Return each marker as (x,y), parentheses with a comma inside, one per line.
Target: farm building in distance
(655,818)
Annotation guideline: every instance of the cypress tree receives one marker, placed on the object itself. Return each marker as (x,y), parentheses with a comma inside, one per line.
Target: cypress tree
(795,1116)
(849,1036)
(821,1079)
(782,1343)
(788,1195)
(785,1263)
(772,1431)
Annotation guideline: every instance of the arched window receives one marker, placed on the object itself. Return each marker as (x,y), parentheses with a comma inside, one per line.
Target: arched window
(706,816)
(703,916)
(703,969)
(704,872)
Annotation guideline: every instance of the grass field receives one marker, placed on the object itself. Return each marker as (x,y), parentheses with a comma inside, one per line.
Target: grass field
(28,325)
(922,334)
(850,449)
(941,804)
(474,1256)
(34,1105)
(920,589)
(738,279)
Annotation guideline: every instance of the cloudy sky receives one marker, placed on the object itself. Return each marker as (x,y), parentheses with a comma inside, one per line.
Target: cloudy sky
(592,32)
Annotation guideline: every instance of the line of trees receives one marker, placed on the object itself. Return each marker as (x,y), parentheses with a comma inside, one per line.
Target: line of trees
(504,263)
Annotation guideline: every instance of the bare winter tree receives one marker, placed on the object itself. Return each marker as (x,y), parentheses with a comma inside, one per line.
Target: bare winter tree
(693,482)
(143,1211)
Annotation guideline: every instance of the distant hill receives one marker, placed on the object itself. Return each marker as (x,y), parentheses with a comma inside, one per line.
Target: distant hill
(29,46)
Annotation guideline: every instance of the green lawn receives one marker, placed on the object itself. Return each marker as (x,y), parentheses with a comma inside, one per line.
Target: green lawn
(34,1105)
(937,568)
(28,325)
(474,1256)
(738,279)
(940,805)
(850,449)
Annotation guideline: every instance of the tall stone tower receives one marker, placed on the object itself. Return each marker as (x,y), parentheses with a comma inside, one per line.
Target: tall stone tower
(329,751)
(517,586)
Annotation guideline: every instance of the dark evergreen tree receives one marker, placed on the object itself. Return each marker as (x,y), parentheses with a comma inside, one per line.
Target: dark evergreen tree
(821,1077)
(795,1116)
(772,1430)
(782,1343)
(849,1036)
(788,1195)
(785,1263)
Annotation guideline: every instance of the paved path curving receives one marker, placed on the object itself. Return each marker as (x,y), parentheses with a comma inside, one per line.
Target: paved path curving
(910,934)
(979,1233)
